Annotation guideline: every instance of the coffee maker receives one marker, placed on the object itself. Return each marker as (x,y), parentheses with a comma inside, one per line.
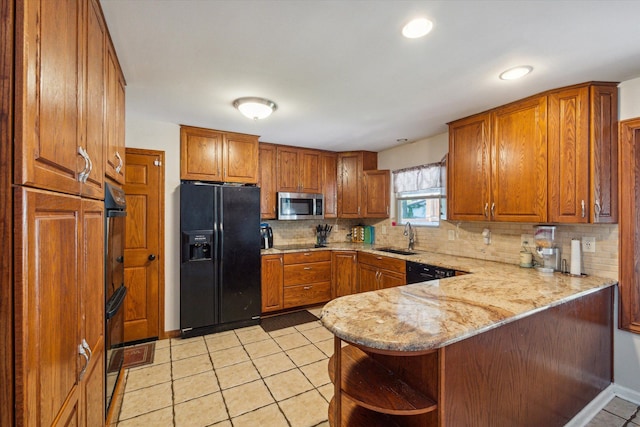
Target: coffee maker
(547,249)
(266,236)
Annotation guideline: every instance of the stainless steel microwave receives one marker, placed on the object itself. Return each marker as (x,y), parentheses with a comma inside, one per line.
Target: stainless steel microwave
(300,206)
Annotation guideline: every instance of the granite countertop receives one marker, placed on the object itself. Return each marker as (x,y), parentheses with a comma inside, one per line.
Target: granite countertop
(435,314)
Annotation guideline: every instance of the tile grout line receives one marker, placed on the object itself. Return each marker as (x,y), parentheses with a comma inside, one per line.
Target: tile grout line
(631,418)
(173,394)
(224,401)
(264,382)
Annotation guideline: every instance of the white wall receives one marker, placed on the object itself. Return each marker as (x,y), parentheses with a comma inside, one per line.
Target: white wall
(627,345)
(427,150)
(163,136)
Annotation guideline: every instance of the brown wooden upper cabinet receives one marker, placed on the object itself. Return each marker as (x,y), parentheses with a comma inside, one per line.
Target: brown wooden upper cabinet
(211,155)
(61,69)
(330,184)
(115,118)
(498,164)
(267,181)
(298,170)
(583,152)
(351,167)
(547,158)
(519,162)
(376,193)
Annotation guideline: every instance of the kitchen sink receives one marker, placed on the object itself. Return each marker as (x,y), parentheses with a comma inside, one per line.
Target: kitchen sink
(396,251)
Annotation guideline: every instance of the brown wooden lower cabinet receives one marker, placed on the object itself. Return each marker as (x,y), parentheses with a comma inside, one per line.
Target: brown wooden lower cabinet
(540,370)
(59,355)
(272,291)
(629,228)
(301,295)
(344,273)
(380,272)
(307,278)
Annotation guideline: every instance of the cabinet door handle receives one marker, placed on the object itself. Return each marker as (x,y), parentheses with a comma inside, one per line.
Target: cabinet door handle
(596,210)
(151,257)
(493,210)
(387,209)
(307,268)
(86,346)
(90,168)
(358,210)
(306,288)
(120,162)
(583,209)
(82,175)
(486,210)
(83,353)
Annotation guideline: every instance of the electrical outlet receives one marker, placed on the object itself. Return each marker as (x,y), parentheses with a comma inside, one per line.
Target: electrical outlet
(452,235)
(588,244)
(384,229)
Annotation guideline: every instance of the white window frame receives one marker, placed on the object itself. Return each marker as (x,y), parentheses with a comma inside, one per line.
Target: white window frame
(432,195)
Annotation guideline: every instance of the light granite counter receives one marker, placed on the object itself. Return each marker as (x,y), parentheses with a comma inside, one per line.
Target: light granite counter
(435,314)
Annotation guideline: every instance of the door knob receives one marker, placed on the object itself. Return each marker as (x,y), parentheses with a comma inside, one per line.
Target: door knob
(152,257)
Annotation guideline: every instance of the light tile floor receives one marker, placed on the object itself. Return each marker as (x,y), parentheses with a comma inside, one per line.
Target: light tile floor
(248,377)
(617,413)
(245,377)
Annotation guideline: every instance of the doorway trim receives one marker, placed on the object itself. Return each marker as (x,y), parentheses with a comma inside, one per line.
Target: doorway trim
(162,334)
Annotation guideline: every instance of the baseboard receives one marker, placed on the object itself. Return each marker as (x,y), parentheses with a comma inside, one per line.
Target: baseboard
(601,400)
(171,334)
(627,394)
(595,406)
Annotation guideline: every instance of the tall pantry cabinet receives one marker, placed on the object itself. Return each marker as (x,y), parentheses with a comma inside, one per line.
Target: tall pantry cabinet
(67,110)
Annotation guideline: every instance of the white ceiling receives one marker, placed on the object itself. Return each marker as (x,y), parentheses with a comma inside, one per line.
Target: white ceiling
(341,73)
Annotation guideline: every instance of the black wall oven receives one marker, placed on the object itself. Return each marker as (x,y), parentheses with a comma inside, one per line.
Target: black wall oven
(115,290)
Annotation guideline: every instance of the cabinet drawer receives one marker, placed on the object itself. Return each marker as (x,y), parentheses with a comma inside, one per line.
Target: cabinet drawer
(296,296)
(307,256)
(393,264)
(301,274)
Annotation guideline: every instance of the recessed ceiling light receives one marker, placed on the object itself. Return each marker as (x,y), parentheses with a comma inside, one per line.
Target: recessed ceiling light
(516,72)
(255,108)
(418,27)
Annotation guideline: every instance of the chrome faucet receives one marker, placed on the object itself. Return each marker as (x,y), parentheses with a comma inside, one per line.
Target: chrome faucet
(408,231)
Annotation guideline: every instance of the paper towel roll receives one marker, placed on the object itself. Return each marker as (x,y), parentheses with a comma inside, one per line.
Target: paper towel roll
(576,267)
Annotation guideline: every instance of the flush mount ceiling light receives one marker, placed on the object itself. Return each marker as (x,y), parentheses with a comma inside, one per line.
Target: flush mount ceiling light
(516,72)
(416,28)
(255,108)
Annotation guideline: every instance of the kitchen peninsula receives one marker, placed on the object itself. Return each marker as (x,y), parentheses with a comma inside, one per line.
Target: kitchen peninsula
(500,346)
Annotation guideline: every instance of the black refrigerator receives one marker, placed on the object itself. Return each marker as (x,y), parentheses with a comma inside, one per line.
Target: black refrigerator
(220,257)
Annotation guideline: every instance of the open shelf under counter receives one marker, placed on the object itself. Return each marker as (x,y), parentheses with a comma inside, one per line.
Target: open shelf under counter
(381,387)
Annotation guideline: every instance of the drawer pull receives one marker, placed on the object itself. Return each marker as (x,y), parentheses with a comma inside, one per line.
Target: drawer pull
(306,288)
(378,257)
(307,253)
(307,268)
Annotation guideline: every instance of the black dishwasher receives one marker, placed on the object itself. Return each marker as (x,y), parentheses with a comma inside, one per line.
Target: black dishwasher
(417,272)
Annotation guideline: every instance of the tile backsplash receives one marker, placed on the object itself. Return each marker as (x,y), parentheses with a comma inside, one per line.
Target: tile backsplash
(467,240)
(505,244)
